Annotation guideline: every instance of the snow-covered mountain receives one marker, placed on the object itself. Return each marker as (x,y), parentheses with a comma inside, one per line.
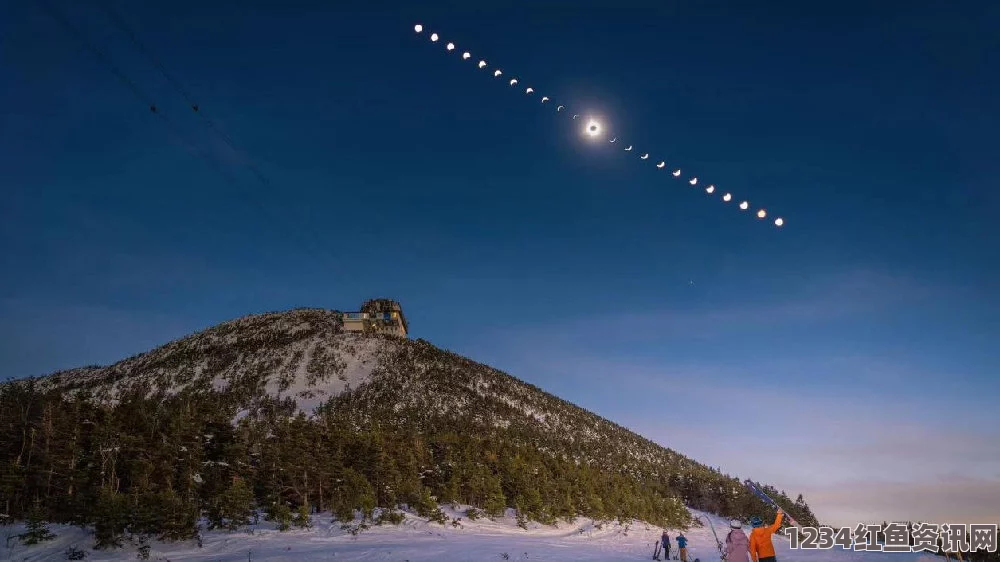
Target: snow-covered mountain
(303,355)
(289,407)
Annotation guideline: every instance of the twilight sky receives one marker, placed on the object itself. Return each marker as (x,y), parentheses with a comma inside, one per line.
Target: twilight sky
(851,356)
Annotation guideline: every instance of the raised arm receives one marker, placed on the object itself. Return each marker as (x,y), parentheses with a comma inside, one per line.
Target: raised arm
(777,522)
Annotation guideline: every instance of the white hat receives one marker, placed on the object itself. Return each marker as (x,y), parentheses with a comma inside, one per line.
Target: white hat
(735,524)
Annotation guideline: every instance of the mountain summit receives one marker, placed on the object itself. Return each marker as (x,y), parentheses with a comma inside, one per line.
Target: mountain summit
(290,409)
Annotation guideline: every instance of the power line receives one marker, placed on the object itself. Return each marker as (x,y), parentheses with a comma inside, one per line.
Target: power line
(246,161)
(148,100)
(68,27)
(121,24)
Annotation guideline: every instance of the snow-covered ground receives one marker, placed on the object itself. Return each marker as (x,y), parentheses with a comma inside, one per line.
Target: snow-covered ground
(417,540)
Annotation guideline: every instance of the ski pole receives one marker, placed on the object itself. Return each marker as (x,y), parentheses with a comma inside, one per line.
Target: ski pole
(722,551)
(760,494)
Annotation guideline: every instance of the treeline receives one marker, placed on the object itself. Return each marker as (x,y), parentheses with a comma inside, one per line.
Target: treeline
(421,385)
(152,467)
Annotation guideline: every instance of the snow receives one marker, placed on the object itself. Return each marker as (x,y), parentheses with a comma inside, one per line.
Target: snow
(417,540)
(357,371)
(345,361)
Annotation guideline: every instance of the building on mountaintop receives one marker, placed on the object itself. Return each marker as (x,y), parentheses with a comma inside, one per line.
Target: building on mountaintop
(377,315)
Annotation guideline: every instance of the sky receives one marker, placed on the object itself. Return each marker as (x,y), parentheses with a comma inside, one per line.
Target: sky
(849,356)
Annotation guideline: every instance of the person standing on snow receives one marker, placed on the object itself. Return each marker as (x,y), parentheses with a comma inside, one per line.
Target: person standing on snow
(761,547)
(682,547)
(665,539)
(737,547)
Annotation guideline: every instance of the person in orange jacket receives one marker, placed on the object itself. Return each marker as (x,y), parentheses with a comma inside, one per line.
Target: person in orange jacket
(761,548)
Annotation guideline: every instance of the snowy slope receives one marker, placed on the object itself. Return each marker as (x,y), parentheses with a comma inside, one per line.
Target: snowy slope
(304,355)
(417,540)
(300,354)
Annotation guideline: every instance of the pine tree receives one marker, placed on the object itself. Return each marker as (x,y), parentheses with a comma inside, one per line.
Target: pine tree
(351,492)
(280,514)
(234,507)
(36,530)
(179,517)
(111,517)
(427,506)
(302,518)
(494,503)
(147,514)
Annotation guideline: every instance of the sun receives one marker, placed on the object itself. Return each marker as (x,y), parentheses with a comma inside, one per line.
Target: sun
(592,129)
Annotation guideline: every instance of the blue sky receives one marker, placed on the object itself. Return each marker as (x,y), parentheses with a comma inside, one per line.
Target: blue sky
(849,356)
